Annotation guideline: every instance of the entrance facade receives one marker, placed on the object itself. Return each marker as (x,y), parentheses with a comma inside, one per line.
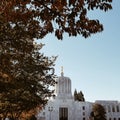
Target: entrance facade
(63,113)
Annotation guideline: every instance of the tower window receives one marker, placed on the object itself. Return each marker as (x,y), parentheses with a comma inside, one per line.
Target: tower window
(113,109)
(117,108)
(108,108)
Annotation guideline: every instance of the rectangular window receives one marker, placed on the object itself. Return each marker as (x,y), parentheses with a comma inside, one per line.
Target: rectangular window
(83,107)
(113,109)
(83,113)
(63,113)
(44,113)
(83,118)
(108,108)
(117,108)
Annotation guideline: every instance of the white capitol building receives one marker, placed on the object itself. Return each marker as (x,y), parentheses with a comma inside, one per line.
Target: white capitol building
(64,107)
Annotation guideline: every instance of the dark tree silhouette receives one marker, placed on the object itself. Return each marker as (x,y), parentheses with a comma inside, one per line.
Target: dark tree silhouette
(78,96)
(98,112)
(25,77)
(75,95)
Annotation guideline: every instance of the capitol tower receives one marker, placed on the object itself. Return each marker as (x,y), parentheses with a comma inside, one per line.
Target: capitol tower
(63,87)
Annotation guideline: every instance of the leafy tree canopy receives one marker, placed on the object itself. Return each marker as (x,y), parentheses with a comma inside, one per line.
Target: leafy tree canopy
(25,78)
(37,18)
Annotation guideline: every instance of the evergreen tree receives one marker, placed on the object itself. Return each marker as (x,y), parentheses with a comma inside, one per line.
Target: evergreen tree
(78,96)
(75,95)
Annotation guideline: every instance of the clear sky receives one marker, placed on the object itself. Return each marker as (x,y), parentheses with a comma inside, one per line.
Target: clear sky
(92,64)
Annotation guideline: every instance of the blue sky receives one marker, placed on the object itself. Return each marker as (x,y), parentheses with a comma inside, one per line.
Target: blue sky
(92,64)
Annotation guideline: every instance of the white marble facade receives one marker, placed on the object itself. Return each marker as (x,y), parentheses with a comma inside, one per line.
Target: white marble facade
(63,106)
(112,109)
